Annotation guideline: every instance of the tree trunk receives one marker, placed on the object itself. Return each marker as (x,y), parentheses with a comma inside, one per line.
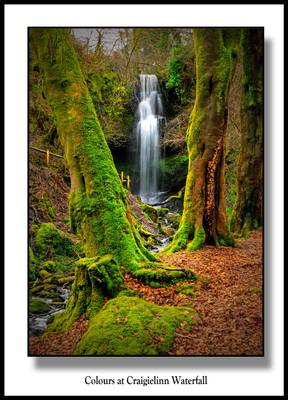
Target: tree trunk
(204,215)
(98,206)
(248,209)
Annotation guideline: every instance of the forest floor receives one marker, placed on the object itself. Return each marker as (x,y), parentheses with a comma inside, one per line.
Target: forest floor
(227,296)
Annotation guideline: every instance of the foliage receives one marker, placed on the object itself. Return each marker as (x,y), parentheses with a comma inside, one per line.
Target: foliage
(181,60)
(173,169)
(112,100)
(44,203)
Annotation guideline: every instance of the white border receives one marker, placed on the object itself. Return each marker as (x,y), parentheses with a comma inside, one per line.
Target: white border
(26,376)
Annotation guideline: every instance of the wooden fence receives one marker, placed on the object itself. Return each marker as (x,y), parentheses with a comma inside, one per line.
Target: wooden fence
(125,180)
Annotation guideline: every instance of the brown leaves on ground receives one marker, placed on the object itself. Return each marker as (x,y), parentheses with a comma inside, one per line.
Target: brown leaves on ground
(229,299)
(61,344)
(160,296)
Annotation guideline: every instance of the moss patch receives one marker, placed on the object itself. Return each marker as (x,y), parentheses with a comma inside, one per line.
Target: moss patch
(132,326)
(157,275)
(150,211)
(49,241)
(188,290)
(199,239)
(38,306)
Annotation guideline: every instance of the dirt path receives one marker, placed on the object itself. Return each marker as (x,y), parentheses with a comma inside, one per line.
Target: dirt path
(228,299)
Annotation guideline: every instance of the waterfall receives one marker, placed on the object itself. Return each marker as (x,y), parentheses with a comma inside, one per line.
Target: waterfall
(150,115)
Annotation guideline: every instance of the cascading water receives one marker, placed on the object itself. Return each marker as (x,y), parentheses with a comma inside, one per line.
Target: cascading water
(150,115)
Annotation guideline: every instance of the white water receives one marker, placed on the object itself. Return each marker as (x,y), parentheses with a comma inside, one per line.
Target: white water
(150,113)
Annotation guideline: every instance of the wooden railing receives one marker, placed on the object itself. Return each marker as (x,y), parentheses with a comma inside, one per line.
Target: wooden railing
(125,180)
(47,152)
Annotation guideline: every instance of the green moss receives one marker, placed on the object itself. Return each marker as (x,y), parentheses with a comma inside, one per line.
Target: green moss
(49,266)
(255,290)
(38,306)
(49,241)
(163,274)
(39,287)
(199,239)
(173,170)
(248,208)
(49,295)
(104,271)
(31,256)
(32,265)
(95,278)
(128,293)
(181,237)
(132,326)
(223,72)
(252,42)
(188,290)
(245,232)
(44,274)
(111,96)
(213,70)
(162,212)
(44,203)
(150,211)
(227,240)
(66,279)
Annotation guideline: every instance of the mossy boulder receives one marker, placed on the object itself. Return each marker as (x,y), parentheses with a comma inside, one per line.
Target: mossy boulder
(167,230)
(150,211)
(132,326)
(44,274)
(37,306)
(50,241)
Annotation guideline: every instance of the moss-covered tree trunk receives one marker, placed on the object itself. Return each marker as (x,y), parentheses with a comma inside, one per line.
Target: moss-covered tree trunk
(98,207)
(204,215)
(248,209)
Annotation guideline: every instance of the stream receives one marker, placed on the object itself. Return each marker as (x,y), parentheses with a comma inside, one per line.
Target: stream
(38,322)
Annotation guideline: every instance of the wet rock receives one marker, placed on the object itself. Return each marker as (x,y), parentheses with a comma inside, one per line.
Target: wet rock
(37,306)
